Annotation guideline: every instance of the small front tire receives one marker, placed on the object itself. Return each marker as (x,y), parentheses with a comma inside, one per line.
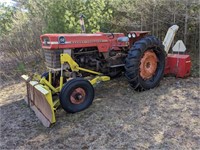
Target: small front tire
(76,95)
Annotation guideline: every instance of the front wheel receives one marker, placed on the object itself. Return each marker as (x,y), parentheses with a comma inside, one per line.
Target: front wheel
(76,95)
(145,63)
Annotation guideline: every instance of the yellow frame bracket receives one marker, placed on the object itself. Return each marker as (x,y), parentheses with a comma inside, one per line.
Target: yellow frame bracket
(66,58)
(98,79)
(37,77)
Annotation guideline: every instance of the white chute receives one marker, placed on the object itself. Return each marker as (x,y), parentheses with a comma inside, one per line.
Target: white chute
(170,37)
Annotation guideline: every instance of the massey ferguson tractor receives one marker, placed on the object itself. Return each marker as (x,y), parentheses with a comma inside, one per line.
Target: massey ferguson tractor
(77,62)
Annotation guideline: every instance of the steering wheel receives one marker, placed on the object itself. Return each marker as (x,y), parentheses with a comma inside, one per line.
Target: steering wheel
(111,36)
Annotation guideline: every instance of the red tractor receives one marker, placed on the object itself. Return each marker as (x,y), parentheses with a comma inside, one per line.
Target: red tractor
(140,56)
(76,62)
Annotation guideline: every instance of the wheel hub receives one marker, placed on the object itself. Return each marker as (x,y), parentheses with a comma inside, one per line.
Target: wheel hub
(78,96)
(148,64)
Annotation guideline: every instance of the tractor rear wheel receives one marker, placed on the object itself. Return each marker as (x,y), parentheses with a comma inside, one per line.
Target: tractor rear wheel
(76,95)
(145,63)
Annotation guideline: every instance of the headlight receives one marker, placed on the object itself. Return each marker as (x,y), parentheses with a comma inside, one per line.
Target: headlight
(129,35)
(45,40)
(133,35)
(61,40)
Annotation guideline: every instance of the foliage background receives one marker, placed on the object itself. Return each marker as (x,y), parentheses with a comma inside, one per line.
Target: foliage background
(22,23)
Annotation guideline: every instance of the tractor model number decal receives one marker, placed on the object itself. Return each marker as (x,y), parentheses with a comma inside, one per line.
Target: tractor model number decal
(91,41)
(78,42)
(53,43)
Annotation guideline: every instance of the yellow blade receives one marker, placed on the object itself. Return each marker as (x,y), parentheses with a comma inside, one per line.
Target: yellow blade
(40,100)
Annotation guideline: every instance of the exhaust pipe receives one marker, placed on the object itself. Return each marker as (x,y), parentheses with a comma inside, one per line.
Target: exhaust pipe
(82,23)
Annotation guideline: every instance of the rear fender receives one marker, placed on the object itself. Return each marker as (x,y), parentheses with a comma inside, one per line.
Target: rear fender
(138,35)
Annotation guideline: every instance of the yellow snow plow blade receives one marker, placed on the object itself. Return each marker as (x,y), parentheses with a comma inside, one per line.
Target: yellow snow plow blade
(39,98)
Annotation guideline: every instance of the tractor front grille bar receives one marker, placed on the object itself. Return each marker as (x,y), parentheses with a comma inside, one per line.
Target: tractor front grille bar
(52,58)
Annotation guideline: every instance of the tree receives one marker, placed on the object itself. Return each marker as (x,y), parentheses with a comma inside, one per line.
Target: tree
(6,18)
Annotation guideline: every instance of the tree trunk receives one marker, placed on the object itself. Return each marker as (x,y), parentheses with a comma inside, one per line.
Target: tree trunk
(186,22)
(141,22)
(153,20)
(199,33)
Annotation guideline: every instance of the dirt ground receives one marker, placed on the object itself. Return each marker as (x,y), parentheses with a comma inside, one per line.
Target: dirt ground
(167,117)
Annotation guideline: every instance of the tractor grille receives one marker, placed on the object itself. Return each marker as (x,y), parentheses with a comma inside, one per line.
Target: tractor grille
(52,58)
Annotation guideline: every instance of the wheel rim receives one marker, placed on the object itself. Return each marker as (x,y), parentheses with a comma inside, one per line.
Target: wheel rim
(78,96)
(148,64)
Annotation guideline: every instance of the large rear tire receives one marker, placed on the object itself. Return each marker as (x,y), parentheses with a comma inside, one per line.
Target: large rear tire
(76,95)
(145,63)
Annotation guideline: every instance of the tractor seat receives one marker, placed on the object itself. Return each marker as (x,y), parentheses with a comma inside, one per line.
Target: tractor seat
(123,39)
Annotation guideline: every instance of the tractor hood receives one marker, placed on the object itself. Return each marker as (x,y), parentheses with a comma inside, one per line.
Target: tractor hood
(70,41)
